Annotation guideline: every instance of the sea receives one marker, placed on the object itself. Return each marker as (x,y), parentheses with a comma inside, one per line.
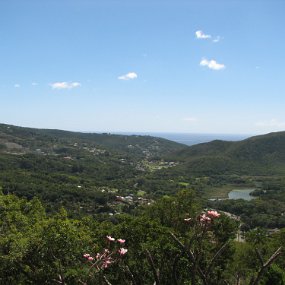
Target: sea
(190,138)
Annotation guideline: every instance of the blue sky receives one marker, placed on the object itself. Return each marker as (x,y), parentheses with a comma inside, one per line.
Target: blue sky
(143,66)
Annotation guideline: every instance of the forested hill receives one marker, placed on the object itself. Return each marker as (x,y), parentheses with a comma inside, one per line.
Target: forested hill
(28,140)
(259,155)
(82,172)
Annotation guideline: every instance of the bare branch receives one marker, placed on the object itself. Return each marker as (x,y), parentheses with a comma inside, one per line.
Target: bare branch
(154,271)
(273,257)
(192,258)
(106,280)
(174,269)
(219,252)
(255,281)
(183,247)
(131,275)
(259,256)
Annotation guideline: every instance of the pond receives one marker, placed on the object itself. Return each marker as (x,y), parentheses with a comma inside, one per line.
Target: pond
(241,194)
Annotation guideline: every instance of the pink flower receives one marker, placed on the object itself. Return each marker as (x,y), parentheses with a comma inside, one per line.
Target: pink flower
(106,263)
(213,214)
(122,251)
(204,219)
(121,241)
(90,258)
(109,238)
(86,255)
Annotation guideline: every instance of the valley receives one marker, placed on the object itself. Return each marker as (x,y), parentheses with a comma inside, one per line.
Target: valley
(86,173)
(62,191)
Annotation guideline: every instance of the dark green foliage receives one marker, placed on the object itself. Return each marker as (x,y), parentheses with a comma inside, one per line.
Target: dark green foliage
(40,249)
(267,213)
(35,249)
(260,155)
(41,243)
(83,172)
(275,275)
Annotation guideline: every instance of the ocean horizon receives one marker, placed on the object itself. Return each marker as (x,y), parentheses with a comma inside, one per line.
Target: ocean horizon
(189,138)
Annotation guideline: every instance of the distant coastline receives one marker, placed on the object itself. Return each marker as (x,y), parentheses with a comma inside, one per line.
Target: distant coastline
(189,139)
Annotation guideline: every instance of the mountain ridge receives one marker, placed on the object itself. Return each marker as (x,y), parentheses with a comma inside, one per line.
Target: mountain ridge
(254,155)
(27,138)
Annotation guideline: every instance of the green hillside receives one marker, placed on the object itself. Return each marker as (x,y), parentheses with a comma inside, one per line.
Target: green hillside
(85,172)
(27,140)
(259,155)
(80,171)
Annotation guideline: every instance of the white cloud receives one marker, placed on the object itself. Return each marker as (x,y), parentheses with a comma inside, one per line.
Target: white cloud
(200,35)
(65,85)
(273,123)
(190,119)
(128,76)
(212,64)
(17,85)
(216,39)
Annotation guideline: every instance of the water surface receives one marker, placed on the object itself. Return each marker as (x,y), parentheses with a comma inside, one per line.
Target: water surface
(190,138)
(241,194)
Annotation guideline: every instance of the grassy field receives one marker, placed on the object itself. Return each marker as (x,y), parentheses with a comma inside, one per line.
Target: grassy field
(222,191)
(218,192)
